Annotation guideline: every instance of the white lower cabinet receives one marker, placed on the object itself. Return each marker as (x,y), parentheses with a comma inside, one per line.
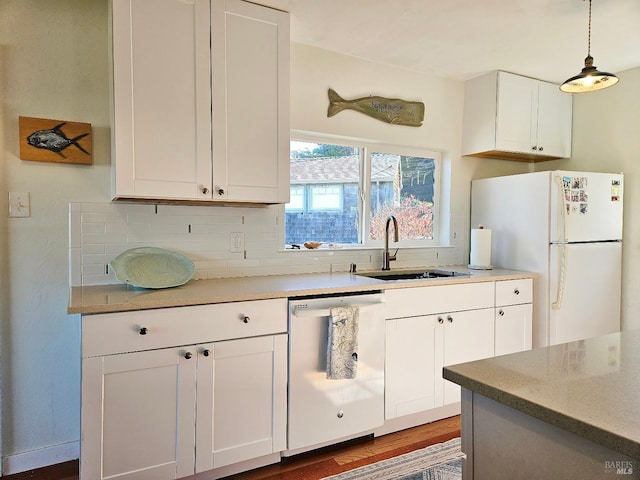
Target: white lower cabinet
(247,407)
(419,345)
(468,336)
(428,328)
(513,316)
(412,346)
(170,412)
(138,413)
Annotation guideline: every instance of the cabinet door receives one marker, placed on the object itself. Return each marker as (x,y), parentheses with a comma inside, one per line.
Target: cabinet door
(517,106)
(412,346)
(554,121)
(513,329)
(250,76)
(468,336)
(138,414)
(241,401)
(161,123)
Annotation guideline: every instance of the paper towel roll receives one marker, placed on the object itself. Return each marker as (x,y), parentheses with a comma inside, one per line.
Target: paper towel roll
(480,258)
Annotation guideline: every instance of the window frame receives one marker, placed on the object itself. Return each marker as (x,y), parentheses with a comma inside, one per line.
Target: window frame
(367,147)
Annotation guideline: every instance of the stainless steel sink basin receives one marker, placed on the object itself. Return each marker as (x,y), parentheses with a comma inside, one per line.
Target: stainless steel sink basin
(413,275)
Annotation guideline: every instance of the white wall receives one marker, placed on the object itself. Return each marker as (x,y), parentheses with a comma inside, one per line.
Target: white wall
(53,64)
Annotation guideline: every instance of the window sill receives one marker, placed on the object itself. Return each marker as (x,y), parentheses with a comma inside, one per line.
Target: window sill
(351,248)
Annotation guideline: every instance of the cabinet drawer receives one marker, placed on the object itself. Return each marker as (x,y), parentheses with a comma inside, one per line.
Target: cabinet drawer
(110,333)
(514,292)
(410,302)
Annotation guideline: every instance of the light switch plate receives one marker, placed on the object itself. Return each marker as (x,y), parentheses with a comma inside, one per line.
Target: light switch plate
(19,204)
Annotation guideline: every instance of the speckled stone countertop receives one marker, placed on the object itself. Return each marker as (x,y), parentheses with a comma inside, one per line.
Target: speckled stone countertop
(590,387)
(119,298)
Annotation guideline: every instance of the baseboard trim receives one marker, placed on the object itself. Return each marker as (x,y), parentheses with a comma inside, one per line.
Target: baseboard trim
(420,418)
(42,457)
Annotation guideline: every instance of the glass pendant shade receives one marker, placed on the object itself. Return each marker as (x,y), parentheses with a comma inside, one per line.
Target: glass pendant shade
(589,79)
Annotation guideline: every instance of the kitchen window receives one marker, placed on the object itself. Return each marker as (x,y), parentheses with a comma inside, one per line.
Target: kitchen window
(343,193)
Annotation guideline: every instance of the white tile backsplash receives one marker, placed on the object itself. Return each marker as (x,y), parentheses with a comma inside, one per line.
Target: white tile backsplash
(99,232)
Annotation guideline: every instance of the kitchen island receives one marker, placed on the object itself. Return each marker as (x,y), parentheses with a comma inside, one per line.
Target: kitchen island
(566,411)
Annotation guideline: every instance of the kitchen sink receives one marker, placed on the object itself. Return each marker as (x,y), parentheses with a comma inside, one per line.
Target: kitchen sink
(413,275)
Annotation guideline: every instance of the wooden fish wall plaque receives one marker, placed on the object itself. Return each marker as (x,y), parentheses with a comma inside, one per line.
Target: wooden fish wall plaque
(45,140)
(390,110)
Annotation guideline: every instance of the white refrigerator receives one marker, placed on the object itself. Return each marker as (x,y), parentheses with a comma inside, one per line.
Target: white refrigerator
(567,227)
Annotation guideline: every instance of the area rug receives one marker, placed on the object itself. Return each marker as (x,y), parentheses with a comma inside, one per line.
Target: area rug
(437,462)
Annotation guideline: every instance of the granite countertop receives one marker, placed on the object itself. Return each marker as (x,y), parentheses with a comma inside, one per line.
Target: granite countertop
(121,297)
(589,387)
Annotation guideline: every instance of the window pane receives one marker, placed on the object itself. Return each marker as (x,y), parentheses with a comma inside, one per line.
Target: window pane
(326,197)
(402,186)
(296,198)
(330,176)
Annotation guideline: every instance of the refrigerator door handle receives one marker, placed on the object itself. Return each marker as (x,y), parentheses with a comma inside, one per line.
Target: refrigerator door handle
(562,206)
(557,305)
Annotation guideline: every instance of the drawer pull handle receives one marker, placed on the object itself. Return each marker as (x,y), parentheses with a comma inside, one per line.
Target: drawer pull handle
(246,319)
(188,355)
(440,320)
(516,291)
(501,312)
(206,352)
(449,319)
(143,331)
(340,414)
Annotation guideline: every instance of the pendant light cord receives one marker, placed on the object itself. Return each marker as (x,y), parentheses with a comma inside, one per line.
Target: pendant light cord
(589,37)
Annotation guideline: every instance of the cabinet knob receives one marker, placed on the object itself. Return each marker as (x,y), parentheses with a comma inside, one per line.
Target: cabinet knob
(206,352)
(205,191)
(449,319)
(516,291)
(143,330)
(440,320)
(246,319)
(340,414)
(534,148)
(540,149)
(188,355)
(501,312)
(220,191)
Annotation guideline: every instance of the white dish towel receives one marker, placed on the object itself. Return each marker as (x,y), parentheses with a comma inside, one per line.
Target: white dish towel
(342,345)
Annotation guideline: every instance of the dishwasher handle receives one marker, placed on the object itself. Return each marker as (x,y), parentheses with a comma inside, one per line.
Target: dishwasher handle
(326,312)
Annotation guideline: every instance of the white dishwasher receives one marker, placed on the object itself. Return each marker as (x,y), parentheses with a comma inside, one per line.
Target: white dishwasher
(323,410)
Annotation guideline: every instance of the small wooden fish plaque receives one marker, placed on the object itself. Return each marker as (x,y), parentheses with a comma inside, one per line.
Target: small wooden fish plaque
(45,140)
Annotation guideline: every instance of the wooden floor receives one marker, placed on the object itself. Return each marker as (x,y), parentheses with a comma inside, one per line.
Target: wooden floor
(312,465)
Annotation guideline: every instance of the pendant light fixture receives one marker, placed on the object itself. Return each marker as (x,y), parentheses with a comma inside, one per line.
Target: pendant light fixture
(589,79)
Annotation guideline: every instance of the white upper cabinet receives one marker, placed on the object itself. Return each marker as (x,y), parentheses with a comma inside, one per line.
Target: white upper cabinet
(512,117)
(200,101)
(250,75)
